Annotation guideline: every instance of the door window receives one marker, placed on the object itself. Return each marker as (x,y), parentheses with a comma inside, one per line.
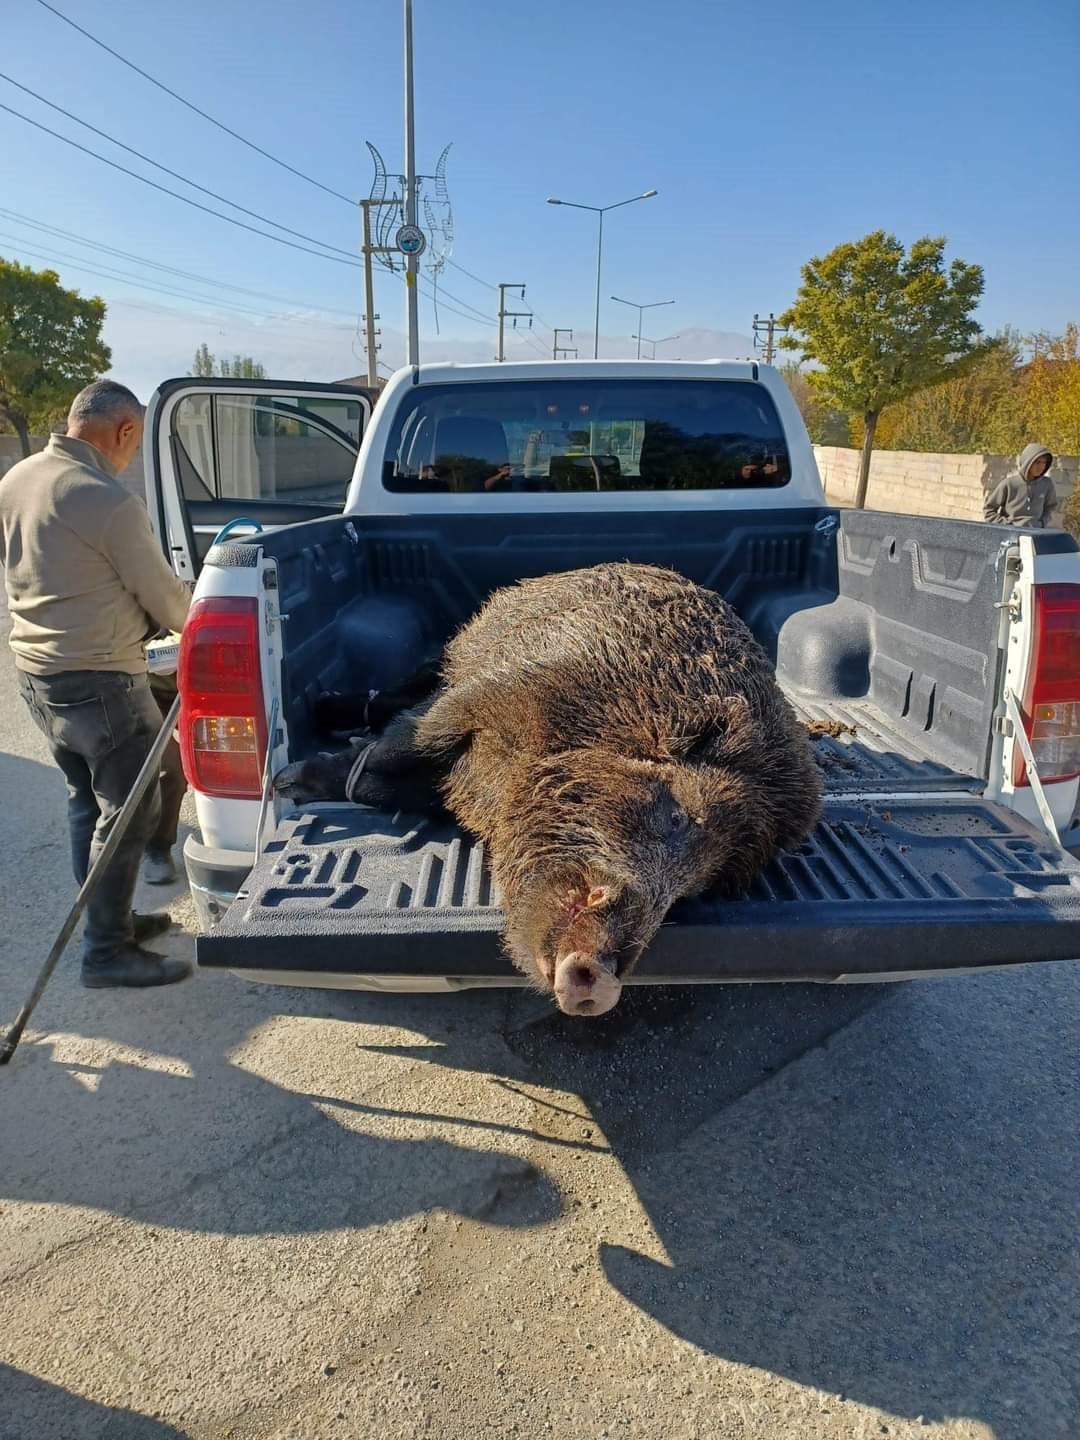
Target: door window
(267,450)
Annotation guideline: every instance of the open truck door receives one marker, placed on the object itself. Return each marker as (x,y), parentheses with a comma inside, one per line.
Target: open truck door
(262,450)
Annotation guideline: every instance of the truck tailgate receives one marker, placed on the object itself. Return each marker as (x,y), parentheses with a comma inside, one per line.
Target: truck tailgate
(882,887)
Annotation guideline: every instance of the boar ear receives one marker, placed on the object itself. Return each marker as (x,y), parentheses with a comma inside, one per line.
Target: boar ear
(598,895)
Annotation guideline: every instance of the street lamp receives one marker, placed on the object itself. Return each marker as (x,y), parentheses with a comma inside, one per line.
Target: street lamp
(600,210)
(652,305)
(666,340)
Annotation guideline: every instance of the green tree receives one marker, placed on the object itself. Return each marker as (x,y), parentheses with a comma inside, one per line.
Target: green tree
(242,367)
(50,346)
(963,413)
(203,364)
(1052,391)
(825,424)
(883,324)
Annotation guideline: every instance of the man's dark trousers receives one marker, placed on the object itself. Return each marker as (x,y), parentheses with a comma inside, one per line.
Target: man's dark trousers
(100,726)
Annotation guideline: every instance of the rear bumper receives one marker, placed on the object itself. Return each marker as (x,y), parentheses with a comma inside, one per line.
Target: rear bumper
(215,878)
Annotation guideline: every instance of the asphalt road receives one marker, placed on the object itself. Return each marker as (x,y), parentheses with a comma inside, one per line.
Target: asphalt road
(750,1213)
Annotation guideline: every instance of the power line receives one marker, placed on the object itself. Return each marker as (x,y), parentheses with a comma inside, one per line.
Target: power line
(174,173)
(489,286)
(103,272)
(206,209)
(161,86)
(99,271)
(55,231)
(486,283)
(236,136)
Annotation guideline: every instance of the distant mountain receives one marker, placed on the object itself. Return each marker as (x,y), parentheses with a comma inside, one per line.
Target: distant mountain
(694,344)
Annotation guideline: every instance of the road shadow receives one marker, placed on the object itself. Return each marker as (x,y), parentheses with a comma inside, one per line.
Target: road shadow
(32,1409)
(254,1157)
(891,1233)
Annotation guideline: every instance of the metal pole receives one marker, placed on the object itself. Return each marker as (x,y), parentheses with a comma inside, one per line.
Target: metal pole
(369,298)
(411,261)
(640,312)
(599,252)
(151,767)
(505,314)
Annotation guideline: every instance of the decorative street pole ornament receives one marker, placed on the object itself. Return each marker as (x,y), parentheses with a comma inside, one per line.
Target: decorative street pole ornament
(410,240)
(388,215)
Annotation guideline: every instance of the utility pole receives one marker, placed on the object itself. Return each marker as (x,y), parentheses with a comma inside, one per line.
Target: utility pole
(557,350)
(369,300)
(514,315)
(369,287)
(769,328)
(411,261)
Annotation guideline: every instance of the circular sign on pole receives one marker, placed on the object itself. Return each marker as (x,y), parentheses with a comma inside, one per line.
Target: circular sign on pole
(410,240)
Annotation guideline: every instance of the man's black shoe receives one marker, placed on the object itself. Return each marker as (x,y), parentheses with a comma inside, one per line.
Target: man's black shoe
(133,966)
(159,868)
(149,927)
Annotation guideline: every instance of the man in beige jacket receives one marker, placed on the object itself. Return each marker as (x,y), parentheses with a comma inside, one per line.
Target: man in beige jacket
(87,584)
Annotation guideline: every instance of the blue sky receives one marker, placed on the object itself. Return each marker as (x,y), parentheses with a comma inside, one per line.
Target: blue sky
(772,132)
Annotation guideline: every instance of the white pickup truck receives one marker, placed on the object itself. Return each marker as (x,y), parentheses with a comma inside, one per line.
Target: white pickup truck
(937,662)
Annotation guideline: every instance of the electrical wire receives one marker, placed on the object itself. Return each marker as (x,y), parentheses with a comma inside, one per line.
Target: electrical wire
(165,170)
(220,125)
(70,235)
(486,283)
(195,204)
(258,149)
(102,272)
(477,315)
(489,286)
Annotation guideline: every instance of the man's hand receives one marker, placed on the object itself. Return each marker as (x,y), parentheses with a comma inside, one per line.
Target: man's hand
(502,473)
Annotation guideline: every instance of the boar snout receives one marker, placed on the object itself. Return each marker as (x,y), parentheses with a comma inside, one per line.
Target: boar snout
(583,986)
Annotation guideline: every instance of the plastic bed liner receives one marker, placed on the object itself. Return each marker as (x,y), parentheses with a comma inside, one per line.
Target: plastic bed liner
(859,750)
(903,884)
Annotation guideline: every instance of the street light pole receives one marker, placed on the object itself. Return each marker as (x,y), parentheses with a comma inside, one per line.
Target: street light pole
(411,261)
(654,343)
(596,321)
(600,210)
(651,305)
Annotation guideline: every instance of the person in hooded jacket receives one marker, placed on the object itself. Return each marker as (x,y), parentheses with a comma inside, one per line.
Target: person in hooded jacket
(1026,497)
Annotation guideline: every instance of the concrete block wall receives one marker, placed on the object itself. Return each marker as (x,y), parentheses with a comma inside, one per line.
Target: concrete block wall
(914,483)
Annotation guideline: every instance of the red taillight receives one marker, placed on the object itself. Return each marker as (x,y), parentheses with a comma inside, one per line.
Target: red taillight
(1052,704)
(222,718)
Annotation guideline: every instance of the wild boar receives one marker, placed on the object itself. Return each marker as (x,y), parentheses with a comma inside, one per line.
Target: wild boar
(617,738)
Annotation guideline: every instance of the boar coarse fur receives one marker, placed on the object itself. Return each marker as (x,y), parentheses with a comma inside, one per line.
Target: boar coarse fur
(617,738)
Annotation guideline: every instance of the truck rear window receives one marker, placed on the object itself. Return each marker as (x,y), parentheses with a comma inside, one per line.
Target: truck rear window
(602,434)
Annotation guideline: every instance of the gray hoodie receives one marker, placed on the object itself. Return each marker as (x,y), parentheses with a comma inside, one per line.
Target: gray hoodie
(1016,500)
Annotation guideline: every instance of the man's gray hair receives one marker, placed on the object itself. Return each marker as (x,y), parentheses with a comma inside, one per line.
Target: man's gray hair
(107,401)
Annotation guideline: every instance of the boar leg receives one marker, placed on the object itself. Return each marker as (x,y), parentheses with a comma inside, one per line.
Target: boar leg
(396,774)
(338,712)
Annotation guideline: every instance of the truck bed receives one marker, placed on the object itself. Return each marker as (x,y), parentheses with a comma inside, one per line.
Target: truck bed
(884,633)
